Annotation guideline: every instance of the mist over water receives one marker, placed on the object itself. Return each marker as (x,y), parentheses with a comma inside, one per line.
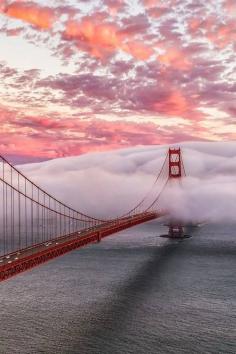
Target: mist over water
(118,180)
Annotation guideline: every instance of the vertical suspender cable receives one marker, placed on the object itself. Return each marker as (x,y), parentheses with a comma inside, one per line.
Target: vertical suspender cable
(26,216)
(19,214)
(3,210)
(32,214)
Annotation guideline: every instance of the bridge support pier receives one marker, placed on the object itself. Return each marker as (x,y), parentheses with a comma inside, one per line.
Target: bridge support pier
(99,236)
(176,231)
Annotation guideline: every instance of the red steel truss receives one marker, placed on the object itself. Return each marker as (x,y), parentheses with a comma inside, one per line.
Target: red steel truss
(35,227)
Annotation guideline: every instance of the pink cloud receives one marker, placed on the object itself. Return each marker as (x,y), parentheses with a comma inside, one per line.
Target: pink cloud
(175,58)
(230,6)
(151,3)
(220,33)
(157,12)
(114,6)
(47,137)
(138,50)
(223,34)
(175,104)
(40,17)
(104,39)
(98,39)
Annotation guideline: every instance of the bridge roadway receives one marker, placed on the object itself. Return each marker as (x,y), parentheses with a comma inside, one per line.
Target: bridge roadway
(35,255)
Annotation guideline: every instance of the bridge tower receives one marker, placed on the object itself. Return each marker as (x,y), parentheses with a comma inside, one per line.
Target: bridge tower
(176,229)
(175,168)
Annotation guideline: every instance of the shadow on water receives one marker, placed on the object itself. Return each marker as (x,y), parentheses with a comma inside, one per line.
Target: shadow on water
(105,327)
(108,323)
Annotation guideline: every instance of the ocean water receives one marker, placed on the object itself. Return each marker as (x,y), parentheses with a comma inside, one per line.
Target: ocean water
(133,293)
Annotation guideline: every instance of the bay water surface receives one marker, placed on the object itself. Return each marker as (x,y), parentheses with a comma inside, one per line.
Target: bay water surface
(133,293)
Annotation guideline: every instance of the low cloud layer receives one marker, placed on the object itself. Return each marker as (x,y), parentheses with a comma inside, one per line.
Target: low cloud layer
(109,184)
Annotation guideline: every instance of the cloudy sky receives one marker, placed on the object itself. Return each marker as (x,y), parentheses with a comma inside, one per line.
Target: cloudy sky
(79,76)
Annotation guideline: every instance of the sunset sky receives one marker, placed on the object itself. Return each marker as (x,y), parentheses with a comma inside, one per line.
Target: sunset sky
(82,76)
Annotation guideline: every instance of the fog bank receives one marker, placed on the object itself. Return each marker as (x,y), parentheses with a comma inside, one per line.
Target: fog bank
(110,183)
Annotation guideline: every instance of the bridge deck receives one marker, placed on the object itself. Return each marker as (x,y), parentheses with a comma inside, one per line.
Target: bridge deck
(27,258)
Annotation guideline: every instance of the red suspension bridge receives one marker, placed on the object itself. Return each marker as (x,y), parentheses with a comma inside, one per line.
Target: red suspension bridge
(36,227)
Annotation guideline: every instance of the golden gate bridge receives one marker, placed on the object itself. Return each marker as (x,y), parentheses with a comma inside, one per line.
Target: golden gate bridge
(36,227)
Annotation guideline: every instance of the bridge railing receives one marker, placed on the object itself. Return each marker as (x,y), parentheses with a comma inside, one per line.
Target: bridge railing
(29,215)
